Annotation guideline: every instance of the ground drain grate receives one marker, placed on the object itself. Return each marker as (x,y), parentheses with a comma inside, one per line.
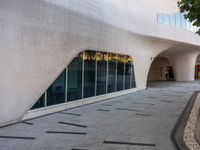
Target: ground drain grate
(103,110)
(128,143)
(165,101)
(61,132)
(69,114)
(28,123)
(146,115)
(128,109)
(143,103)
(73,124)
(17,137)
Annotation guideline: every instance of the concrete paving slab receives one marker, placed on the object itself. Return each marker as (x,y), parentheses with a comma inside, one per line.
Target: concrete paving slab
(112,125)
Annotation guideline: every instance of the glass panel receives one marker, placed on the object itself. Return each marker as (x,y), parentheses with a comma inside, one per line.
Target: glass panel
(40,103)
(183,21)
(128,62)
(120,73)
(101,72)
(56,92)
(166,19)
(172,20)
(178,20)
(133,78)
(112,62)
(74,79)
(160,19)
(188,25)
(89,73)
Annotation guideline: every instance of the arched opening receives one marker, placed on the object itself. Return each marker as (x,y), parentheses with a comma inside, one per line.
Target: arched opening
(197,68)
(161,70)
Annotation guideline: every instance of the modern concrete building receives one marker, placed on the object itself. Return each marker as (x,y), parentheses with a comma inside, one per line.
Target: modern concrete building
(66,53)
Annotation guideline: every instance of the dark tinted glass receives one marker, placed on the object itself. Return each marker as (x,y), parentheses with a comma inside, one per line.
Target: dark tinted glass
(40,103)
(120,73)
(74,81)
(101,72)
(111,72)
(89,73)
(128,62)
(56,92)
(133,78)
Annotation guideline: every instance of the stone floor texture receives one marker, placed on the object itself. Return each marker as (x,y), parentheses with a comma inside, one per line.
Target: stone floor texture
(142,120)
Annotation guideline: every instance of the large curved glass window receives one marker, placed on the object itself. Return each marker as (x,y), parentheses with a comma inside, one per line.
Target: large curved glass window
(40,103)
(112,72)
(74,78)
(56,92)
(102,60)
(90,73)
(120,73)
(177,20)
(128,63)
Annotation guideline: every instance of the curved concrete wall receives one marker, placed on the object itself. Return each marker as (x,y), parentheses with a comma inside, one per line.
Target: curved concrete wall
(39,38)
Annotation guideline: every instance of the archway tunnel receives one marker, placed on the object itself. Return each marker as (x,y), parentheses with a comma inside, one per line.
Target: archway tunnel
(161,70)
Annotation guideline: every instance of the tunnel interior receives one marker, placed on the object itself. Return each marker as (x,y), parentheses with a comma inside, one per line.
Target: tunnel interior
(161,70)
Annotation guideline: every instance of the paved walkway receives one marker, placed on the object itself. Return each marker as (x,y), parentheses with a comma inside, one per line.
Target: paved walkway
(142,120)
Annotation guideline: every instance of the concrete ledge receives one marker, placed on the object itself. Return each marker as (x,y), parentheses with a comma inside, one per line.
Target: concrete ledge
(69,105)
(178,135)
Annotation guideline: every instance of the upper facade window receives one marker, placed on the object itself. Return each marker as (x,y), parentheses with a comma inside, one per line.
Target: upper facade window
(177,20)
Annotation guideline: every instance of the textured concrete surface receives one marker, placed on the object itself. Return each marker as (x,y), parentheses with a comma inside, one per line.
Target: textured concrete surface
(189,136)
(198,130)
(40,38)
(145,117)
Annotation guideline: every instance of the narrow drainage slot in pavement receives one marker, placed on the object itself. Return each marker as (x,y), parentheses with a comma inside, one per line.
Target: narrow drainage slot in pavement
(61,132)
(128,109)
(28,123)
(165,101)
(69,114)
(104,110)
(78,149)
(146,115)
(106,105)
(143,103)
(152,97)
(173,95)
(128,143)
(73,124)
(117,101)
(17,137)
(179,92)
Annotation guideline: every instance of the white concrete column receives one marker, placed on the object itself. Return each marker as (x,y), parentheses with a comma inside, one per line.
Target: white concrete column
(185,66)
